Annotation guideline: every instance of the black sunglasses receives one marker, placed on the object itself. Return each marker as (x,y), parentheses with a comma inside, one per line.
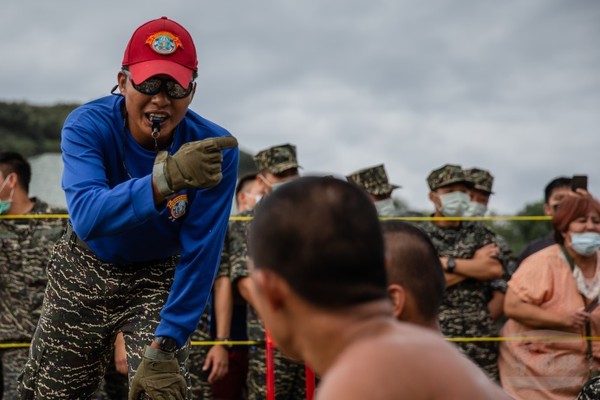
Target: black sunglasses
(154,86)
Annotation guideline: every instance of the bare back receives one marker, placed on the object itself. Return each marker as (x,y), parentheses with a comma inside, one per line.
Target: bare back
(405,362)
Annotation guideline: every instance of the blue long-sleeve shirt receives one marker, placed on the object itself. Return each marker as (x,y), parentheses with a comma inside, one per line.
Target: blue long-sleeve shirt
(107,179)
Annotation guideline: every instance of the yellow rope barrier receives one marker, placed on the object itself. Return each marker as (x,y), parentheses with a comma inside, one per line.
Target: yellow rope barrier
(450,339)
(249,218)
(34,216)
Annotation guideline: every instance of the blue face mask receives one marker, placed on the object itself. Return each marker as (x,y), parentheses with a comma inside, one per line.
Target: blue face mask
(454,204)
(6,204)
(585,243)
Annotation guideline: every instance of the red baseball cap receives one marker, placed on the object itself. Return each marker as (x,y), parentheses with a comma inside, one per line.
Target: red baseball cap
(161,46)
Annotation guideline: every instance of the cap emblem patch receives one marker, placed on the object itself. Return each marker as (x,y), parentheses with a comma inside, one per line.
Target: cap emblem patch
(164,42)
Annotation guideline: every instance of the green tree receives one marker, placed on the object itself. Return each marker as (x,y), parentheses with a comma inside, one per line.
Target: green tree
(520,232)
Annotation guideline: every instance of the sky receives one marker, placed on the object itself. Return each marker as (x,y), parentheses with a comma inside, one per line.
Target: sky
(512,87)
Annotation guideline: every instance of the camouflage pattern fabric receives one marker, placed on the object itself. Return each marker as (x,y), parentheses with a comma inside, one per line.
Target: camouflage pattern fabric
(277,159)
(591,389)
(12,362)
(464,311)
(87,302)
(115,386)
(446,175)
(25,247)
(201,388)
(480,179)
(287,377)
(374,180)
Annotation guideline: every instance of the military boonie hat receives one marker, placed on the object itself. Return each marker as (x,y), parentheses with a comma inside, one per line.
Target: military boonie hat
(277,159)
(480,179)
(374,180)
(447,175)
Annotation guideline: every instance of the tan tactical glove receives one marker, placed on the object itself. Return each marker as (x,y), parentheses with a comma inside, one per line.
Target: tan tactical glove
(158,377)
(195,165)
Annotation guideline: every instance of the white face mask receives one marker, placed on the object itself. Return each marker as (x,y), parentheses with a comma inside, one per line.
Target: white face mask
(475,209)
(454,204)
(386,208)
(585,243)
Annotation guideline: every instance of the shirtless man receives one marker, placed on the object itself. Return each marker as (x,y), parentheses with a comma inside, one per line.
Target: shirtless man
(318,269)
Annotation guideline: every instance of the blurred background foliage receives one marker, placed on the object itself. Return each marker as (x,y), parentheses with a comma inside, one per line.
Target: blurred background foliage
(33,130)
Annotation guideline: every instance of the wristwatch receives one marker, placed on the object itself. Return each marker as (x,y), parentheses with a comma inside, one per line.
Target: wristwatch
(450,265)
(166,343)
(224,342)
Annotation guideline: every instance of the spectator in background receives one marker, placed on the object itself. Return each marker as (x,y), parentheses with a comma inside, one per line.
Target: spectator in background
(375,181)
(547,297)
(482,182)
(277,165)
(232,386)
(26,244)
(470,257)
(554,192)
(320,286)
(415,277)
(248,192)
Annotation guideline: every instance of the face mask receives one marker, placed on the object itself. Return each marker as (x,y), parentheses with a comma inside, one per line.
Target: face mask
(586,243)
(454,204)
(6,204)
(386,208)
(257,198)
(475,209)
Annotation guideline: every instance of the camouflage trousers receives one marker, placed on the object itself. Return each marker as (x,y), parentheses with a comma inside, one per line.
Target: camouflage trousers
(12,362)
(87,301)
(115,386)
(200,387)
(454,324)
(591,390)
(289,376)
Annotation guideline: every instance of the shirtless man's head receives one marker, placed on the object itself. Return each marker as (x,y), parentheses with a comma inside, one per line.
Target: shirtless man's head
(319,274)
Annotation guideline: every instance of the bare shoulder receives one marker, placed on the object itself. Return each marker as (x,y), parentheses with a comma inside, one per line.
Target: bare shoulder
(406,363)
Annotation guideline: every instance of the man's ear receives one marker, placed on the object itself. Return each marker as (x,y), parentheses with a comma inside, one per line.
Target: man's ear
(433,197)
(271,288)
(398,296)
(121,80)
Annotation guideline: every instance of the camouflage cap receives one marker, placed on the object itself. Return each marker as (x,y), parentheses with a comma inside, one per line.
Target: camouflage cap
(277,159)
(480,178)
(374,180)
(447,175)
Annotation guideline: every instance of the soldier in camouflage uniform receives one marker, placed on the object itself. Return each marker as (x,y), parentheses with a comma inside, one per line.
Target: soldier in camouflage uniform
(375,181)
(26,245)
(482,182)
(277,165)
(469,255)
(215,358)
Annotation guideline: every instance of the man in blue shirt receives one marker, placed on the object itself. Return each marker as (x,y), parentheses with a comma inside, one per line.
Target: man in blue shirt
(149,185)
